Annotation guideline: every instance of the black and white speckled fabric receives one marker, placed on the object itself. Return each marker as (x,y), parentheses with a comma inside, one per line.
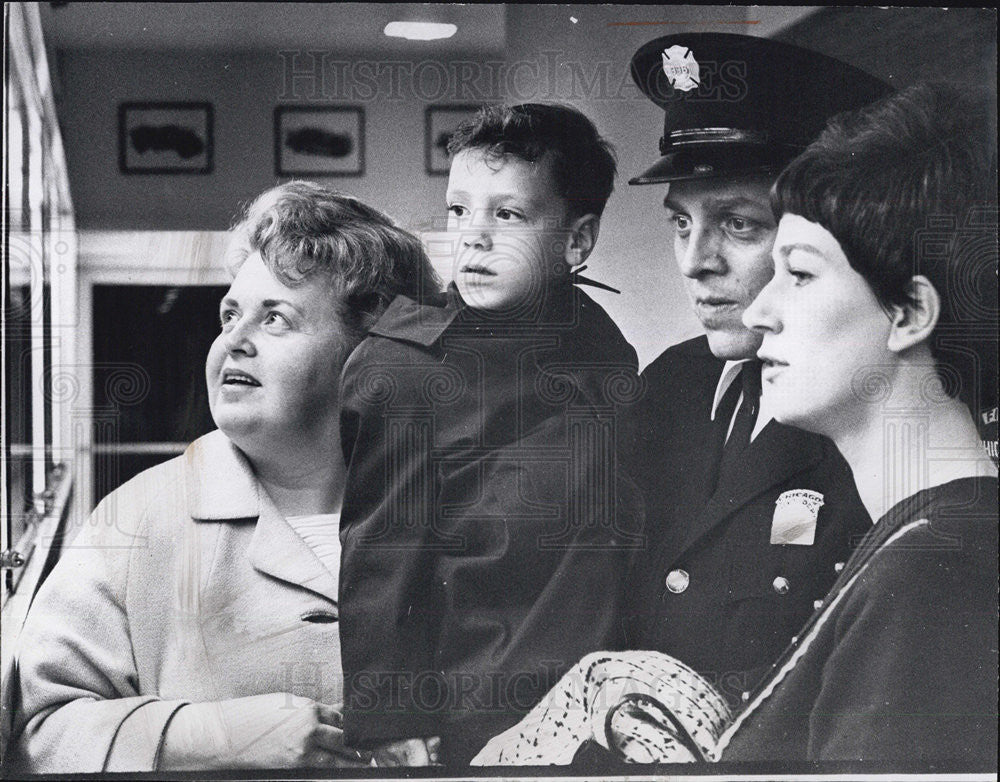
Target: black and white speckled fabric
(645,706)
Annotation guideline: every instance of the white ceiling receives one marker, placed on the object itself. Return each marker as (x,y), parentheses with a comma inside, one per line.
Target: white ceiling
(351,27)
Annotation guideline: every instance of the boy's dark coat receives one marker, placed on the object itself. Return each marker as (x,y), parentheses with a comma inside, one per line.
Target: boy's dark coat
(486,535)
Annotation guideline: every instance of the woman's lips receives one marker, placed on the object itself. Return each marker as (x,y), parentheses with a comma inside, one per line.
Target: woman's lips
(770,367)
(236,377)
(479,270)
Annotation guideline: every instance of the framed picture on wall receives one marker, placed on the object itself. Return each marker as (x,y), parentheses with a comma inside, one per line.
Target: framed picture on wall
(319,141)
(165,138)
(439,123)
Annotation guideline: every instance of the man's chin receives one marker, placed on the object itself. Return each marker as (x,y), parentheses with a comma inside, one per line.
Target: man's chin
(735,345)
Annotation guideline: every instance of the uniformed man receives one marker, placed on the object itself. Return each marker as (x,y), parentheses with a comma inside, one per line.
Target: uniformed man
(747,519)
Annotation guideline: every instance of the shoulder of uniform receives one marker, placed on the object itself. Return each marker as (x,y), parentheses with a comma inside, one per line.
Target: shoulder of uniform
(693,354)
(696,347)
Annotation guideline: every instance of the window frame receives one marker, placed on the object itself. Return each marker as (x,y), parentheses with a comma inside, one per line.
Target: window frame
(41,227)
(172,258)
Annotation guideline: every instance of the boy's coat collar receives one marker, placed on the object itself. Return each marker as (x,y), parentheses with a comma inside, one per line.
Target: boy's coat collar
(424,323)
(405,319)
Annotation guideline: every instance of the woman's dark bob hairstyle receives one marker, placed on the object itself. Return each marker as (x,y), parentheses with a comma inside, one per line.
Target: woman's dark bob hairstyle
(907,186)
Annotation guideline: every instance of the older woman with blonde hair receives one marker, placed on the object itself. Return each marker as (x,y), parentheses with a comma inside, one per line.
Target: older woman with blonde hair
(193,622)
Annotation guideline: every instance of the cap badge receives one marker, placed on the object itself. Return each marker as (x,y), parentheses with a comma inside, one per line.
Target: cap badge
(681,68)
(795,513)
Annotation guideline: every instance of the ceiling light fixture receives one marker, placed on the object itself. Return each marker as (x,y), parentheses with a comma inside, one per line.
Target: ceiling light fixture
(420,31)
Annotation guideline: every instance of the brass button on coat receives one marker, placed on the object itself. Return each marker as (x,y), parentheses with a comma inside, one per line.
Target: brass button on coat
(781,585)
(677,581)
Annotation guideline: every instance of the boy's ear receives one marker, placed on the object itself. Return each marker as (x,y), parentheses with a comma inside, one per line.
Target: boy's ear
(582,238)
(913,323)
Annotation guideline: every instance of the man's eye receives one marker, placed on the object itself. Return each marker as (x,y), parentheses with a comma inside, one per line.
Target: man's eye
(458,210)
(508,214)
(741,224)
(801,277)
(226,317)
(681,222)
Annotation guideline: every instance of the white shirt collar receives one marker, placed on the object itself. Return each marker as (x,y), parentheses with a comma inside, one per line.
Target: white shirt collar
(729,373)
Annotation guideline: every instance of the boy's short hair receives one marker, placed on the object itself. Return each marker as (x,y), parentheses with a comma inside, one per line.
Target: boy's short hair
(884,179)
(302,230)
(583,163)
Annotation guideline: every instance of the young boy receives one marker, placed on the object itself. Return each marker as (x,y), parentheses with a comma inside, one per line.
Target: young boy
(485,530)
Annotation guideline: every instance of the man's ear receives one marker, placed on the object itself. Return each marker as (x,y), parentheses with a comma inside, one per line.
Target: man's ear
(913,323)
(581,239)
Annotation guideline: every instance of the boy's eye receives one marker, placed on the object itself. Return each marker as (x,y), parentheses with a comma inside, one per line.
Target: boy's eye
(458,210)
(508,214)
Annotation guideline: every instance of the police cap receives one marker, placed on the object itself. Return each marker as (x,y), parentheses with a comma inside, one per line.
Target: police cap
(736,104)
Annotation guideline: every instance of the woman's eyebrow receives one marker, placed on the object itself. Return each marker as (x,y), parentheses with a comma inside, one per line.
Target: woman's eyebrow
(786,249)
(275,302)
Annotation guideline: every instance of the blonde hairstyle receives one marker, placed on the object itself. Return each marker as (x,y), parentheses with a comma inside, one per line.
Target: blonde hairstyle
(303,230)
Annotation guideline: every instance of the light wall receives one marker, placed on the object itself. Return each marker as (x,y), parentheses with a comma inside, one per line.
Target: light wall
(550,57)
(244,88)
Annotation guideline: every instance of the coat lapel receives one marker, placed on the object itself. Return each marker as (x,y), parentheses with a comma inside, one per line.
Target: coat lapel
(220,482)
(674,447)
(279,551)
(222,487)
(776,455)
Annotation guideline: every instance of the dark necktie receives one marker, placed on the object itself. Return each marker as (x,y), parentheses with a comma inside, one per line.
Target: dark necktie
(733,454)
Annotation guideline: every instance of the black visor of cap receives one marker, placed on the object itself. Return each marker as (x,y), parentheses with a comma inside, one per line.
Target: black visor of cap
(736,104)
(704,161)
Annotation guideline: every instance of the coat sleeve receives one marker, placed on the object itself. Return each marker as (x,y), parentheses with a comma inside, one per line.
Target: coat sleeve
(388,611)
(914,671)
(77,705)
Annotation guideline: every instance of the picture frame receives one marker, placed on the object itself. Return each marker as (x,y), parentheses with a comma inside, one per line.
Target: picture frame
(327,141)
(439,123)
(173,137)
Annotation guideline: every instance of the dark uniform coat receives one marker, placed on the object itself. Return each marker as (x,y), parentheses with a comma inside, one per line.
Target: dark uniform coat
(736,598)
(900,665)
(485,544)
